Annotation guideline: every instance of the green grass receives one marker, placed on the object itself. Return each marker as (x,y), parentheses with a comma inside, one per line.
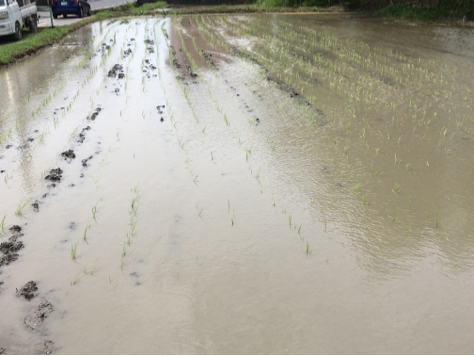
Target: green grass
(445,9)
(146,9)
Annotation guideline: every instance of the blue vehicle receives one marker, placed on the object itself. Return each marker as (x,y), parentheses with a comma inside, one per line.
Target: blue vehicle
(80,8)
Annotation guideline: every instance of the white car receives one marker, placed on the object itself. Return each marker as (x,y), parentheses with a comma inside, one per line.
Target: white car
(16,14)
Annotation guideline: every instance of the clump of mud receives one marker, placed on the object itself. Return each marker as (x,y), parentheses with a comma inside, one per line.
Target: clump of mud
(27,291)
(117,69)
(207,57)
(40,348)
(35,205)
(82,135)
(37,315)
(15,229)
(55,175)
(9,258)
(9,247)
(68,155)
(84,161)
(94,114)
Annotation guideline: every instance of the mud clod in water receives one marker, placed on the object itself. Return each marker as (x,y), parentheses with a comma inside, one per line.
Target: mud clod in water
(44,348)
(15,229)
(68,155)
(116,69)
(9,258)
(9,247)
(54,175)
(37,315)
(35,206)
(84,161)
(82,135)
(27,291)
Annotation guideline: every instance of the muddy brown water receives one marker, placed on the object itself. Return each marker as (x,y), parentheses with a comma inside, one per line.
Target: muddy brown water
(253,184)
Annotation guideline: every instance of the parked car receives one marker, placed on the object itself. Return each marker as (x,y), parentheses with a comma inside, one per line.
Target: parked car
(80,8)
(14,15)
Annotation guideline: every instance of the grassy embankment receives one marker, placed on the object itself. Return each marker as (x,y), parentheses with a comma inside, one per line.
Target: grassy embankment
(415,9)
(442,10)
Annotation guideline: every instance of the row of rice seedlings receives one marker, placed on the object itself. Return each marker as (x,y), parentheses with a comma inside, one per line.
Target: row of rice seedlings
(133,212)
(248,153)
(397,160)
(290,219)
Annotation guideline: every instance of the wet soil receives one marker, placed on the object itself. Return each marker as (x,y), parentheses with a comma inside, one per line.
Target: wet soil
(28,291)
(54,175)
(36,316)
(68,155)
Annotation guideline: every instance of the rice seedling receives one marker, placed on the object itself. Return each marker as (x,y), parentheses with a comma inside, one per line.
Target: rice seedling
(76,279)
(195,180)
(74,251)
(290,219)
(409,167)
(2,225)
(397,160)
(90,271)
(95,210)
(84,237)
(21,209)
(357,187)
(308,249)
(396,189)
(299,229)
(7,178)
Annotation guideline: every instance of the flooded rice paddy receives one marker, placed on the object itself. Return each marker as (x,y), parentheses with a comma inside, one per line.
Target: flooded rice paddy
(240,184)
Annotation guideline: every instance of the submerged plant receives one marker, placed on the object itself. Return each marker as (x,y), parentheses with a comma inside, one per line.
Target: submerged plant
(396,189)
(75,280)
